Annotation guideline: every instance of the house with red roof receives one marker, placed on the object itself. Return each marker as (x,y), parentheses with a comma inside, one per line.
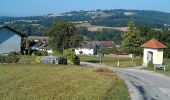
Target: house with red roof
(153,52)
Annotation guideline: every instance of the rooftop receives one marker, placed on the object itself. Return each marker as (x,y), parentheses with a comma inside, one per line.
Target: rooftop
(154,44)
(19,33)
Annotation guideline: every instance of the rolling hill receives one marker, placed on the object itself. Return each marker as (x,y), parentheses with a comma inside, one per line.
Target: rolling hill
(36,25)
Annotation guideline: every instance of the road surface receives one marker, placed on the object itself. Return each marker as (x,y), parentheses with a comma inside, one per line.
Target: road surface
(143,85)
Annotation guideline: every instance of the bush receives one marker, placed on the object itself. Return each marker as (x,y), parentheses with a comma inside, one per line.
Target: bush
(12,58)
(150,65)
(71,56)
(37,53)
(57,52)
(62,61)
(77,61)
(37,60)
(3,59)
(29,60)
(138,61)
(43,53)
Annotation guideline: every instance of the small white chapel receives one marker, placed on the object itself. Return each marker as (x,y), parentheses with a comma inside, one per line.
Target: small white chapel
(153,51)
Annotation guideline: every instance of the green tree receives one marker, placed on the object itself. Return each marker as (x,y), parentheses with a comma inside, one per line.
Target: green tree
(60,35)
(132,40)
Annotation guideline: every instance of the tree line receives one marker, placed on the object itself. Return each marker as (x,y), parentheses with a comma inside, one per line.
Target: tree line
(134,37)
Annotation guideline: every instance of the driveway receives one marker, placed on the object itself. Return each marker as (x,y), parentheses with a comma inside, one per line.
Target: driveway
(143,85)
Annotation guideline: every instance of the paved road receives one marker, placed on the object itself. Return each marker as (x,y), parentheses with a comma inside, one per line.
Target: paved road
(143,85)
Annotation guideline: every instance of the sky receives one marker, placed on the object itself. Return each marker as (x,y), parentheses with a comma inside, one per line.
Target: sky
(18,8)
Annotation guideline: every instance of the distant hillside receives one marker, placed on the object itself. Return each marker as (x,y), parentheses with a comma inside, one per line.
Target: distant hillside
(37,25)
(119,17)
(140,17)
(94,28)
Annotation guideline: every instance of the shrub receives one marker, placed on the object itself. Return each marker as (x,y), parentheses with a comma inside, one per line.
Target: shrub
(150,64)
(43,53)
(3,59)
(57,52)
(29,60)
(71,56)
(37,60)
(138,61)
(37,53)
(12,57)
(62,61)
(77,61)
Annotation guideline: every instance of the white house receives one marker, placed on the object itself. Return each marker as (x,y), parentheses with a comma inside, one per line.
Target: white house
(153,51)
(90,48)
(10,40)
(86,49)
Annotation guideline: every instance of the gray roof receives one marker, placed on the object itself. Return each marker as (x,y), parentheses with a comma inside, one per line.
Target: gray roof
(19,33)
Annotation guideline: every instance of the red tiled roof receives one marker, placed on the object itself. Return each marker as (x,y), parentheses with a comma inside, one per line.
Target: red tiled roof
(106,43)
(153,43)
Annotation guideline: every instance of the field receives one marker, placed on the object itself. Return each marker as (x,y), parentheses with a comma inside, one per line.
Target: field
(52,82)
(96,28)
(110,61)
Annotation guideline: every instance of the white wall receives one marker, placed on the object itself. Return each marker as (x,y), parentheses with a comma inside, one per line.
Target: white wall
(157,56)
(85,51)
(9,41)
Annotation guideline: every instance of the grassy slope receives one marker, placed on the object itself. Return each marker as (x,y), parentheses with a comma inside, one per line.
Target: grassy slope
(47,82)
(111,61)
(95,28)
(167,72)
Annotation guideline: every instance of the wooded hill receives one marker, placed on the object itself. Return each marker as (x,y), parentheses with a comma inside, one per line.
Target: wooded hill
(36,25)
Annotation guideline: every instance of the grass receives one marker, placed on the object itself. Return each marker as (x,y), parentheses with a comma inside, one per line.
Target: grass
(167,72)
(110,61)
(52,82)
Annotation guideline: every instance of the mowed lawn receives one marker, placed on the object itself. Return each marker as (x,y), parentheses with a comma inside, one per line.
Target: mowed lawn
(52,82)
(110,61)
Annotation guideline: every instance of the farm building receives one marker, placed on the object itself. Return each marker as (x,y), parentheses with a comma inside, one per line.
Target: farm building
(10,40)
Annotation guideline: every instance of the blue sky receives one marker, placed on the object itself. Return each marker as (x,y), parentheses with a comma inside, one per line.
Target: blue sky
(43,7)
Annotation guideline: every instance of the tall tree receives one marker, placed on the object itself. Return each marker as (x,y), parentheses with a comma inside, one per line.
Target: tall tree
(60,35)
(132,40)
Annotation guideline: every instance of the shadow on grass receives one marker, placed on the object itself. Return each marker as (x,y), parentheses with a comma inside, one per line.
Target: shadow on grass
(93,61)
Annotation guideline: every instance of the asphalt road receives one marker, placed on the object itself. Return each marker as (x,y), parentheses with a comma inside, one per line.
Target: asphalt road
(143,85)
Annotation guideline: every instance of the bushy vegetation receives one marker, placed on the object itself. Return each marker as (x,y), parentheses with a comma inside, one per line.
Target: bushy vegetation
(3,59)
(12,57)
(29,60)
(40,53)
(138,61)
(72,58)
(62,61)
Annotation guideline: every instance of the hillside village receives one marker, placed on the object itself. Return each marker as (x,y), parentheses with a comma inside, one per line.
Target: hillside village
(91,55)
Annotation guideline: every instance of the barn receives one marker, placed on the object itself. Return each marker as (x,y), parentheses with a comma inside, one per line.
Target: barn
(10,40)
